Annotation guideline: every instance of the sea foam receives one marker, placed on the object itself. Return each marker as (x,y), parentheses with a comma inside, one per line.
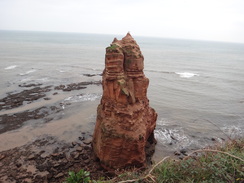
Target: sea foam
(10,67)
(176,136)
(81,98)
(232,131)
(186,74)
(27,72)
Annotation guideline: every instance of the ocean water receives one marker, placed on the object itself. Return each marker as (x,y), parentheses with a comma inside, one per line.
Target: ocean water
(196,87)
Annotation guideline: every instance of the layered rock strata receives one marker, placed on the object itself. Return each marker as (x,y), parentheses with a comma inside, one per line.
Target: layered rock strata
(124,119)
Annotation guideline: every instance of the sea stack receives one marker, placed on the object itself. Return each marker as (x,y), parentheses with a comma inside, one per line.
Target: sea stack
(125,121)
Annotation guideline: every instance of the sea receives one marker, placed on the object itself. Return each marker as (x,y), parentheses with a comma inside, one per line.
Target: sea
(196,87)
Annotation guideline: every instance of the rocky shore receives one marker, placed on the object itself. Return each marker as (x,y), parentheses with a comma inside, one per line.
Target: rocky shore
(48,160)
(31,93)
(45,159)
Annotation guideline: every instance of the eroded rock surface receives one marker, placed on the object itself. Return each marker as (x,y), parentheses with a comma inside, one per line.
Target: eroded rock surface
(124,119)
(49,160)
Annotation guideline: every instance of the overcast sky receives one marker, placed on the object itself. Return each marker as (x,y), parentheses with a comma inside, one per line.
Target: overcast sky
(219,20)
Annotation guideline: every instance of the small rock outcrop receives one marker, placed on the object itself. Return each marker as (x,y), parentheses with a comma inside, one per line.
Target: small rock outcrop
(124,119)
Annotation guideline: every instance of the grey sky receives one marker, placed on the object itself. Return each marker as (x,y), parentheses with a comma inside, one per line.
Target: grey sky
(220,20)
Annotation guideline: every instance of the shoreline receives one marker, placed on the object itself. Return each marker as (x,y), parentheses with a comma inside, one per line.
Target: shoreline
(47,158)
(37,104)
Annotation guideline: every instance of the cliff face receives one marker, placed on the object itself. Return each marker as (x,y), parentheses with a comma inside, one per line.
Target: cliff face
(124,119)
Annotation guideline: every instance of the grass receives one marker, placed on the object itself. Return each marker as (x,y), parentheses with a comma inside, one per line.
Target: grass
(79,177)
(223,163)
(218,164)
(112,47)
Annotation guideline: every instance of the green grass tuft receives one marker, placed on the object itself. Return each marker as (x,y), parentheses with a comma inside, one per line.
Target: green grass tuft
(112,47)
(224,164)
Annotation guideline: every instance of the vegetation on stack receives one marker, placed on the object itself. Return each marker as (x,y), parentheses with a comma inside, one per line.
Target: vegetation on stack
(112,47)
(223,163)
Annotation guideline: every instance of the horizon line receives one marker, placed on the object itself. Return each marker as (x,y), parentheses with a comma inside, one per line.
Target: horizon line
(133,35)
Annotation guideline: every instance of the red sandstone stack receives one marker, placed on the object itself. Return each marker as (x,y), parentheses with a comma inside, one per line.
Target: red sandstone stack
(124,119)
